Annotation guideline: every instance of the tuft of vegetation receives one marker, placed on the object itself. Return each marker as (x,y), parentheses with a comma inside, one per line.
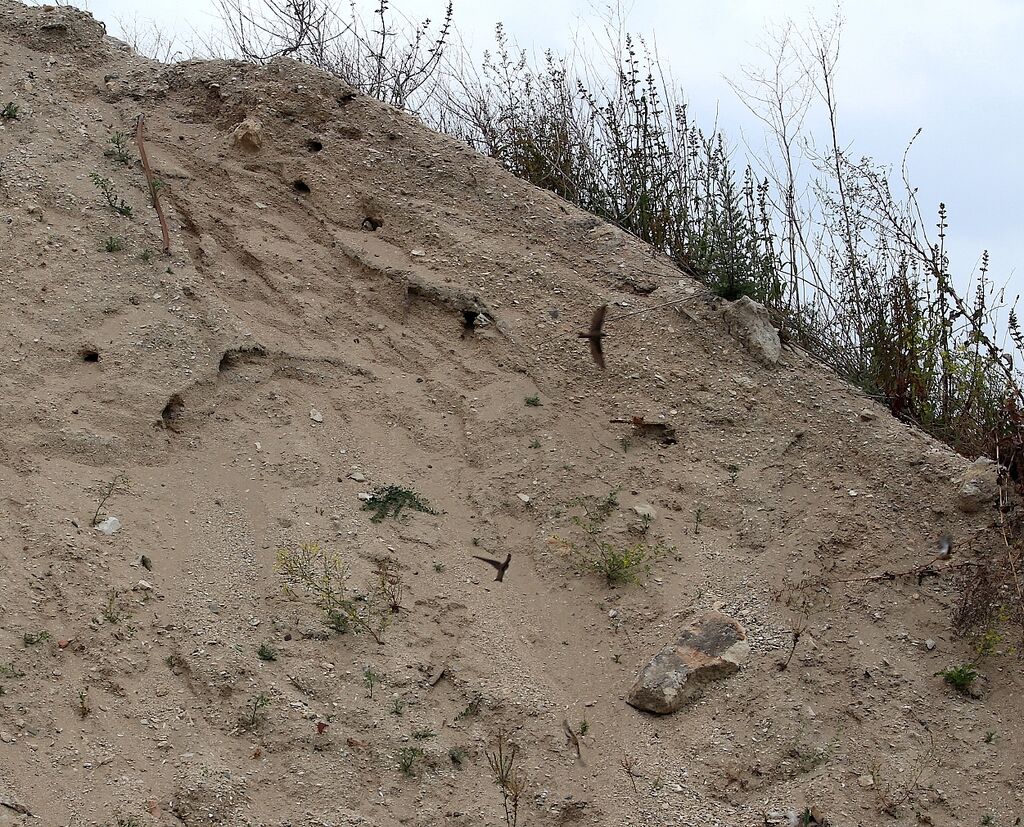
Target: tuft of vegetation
(407,758)
(112,611)
(118,150)
(509,779)
(109,193)
(9,670)
(113,244)
(458,756)
(266,652)
(323,576)
(259,703)
(33,638)
(118,485)
(596,511)
(472,709)
(146,256)
(617,564)
(423,733)
(370,680)
(397,706)
(391,500)
(390,585)
(82,707)
(9,112)
(961,678)
(533,401)
(629,766)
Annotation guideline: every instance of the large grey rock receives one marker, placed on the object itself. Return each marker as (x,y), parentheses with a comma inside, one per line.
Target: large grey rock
(748,321)
(712,647)
(979,486)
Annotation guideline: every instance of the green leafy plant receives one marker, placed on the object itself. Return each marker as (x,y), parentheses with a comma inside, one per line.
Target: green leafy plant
(439,567)
(397,706)
(370,680)
(32,638)
(407,758)
(118,148)
(584,727)
(533,401)
(113,244)
(259,703)
(9,112)
(391,500)
(323,576)
(961,678)
(109,193)
(266,652)
(146,256)
(423,733)
(617,564)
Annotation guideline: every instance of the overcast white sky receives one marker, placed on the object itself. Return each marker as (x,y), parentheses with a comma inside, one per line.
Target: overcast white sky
(949,66)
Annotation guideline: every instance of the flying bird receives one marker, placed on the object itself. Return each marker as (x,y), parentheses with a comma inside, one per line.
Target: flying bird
(596,334)
(500,566)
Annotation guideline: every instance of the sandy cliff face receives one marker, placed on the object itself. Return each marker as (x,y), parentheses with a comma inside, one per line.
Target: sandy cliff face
(305,343)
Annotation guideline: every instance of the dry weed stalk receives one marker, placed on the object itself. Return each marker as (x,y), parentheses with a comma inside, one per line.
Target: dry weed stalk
(510,780)
(629,765)
(892,796)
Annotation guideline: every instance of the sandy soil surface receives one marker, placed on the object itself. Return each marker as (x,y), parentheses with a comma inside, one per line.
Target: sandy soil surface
(305,343)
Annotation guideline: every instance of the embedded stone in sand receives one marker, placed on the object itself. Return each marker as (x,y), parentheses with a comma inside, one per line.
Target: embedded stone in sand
(712,647)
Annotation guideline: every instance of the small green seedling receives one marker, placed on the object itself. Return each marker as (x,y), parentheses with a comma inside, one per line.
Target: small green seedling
(423,733)
(83,703)
(370,680)
(533,401)
(266,652)
(259,702)
(113,244)
(119,148)
(32,638)
(9,112)
(109,193)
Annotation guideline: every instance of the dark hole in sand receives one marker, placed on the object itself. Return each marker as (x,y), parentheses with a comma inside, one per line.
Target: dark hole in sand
(301,186)
(171,413)
(89,354)
(313,145)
